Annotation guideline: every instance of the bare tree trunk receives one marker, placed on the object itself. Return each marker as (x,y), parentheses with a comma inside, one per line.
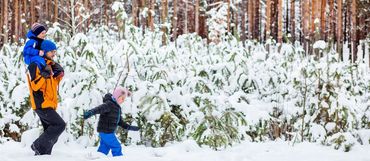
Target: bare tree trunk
(197,16)
(174,20)
(33,15)
(323,20)
(268,18)
(164,20)
(354,31)
(16,20)
(292,19)
(280,23)
(306,25)
(331,34)
(151,13)
(203,30)
(186,30)
(1,22)
(243,11)
(234,28)
(25,17)
(46,10)
(87,10)
(256,15)
(250,19)
(135,13)
(142,18)
(5,15)
(106,14)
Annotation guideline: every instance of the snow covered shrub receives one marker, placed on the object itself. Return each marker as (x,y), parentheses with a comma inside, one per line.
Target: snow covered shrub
(13,92)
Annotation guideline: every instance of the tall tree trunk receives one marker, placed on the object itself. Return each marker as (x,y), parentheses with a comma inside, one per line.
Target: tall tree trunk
(143,24)
(203,30)
(243,11)
(280,23)
(186,30)
(87,10)
(25,17)
(339,30)
(174,20)
(331,34)
(292,19)
(268,19)
(46,10)
(151,13)
(256,16)
(33,15)
(234,28)
(164,20)
(306,25)
(16,20)
(1,22)
(135,7)
(5,13)
(354,30)
(250,19)
(197,16)
(323,20)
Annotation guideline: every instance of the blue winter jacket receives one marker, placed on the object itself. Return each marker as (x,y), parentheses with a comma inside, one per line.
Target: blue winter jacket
(31,50)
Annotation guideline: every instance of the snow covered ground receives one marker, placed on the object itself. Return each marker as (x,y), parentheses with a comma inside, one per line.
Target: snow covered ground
(189,151)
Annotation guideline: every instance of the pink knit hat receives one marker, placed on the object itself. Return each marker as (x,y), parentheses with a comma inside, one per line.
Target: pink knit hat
(120,91)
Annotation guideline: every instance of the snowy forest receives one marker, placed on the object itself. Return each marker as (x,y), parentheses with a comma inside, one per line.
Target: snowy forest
(213,73)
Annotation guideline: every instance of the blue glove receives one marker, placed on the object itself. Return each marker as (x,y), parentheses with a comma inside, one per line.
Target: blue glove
(134,128)
(87,114)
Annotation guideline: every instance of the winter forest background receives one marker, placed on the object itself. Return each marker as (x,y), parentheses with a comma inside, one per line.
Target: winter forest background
(216,72)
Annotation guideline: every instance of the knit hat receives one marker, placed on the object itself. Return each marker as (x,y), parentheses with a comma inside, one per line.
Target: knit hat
(120,91)
(47,46)
(37,28)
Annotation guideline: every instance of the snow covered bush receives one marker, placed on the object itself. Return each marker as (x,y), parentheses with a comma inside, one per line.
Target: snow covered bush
(217,94)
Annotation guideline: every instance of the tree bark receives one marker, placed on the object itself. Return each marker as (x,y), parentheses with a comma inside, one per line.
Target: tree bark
(323,20)
(164,21)
(151,15)
(331,34)
(186,30)
(256,16)
(174,20)
(354,30)
(5,15)
(250,19)
(16,19)
(280,23)
(1,22)
(268,18)
(197,16)
(135,13)
(292,19)
(243,11)
(33,15)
